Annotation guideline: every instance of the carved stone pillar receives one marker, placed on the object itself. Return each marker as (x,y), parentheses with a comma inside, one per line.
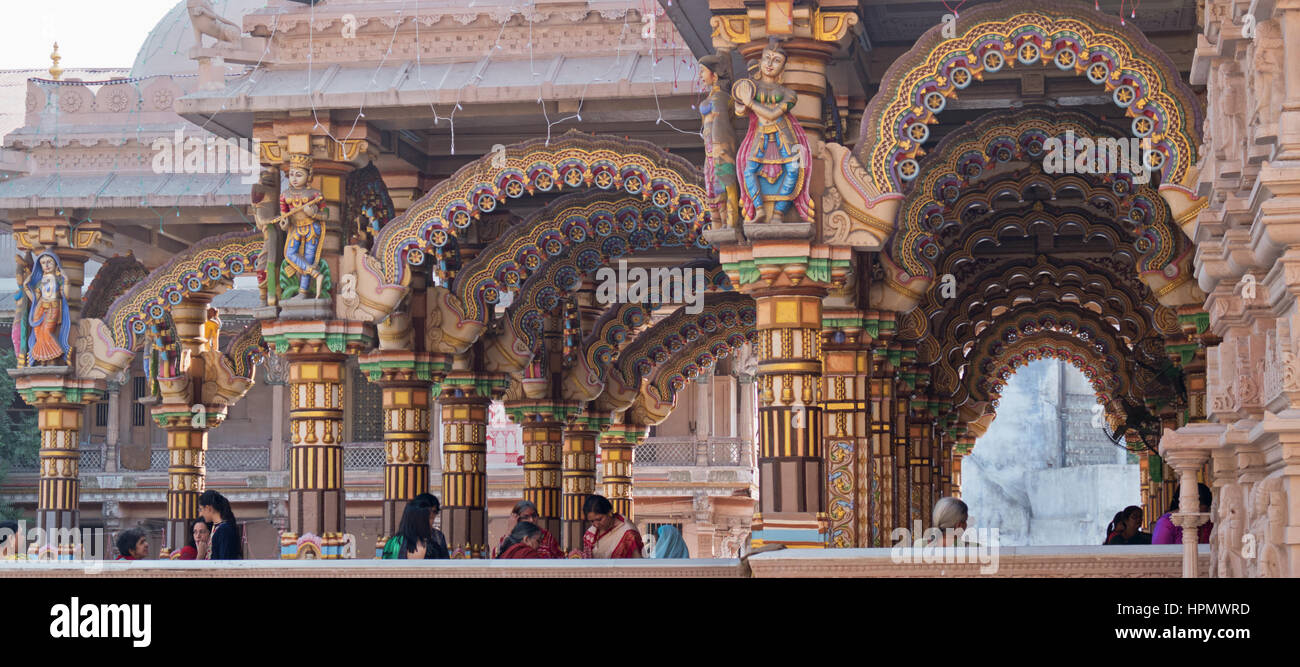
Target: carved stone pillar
(579,474)
(1187,450)
(316,352)
(60,402)
(464,399)
(543,423)
(616,446)
(113,430)
(406,380)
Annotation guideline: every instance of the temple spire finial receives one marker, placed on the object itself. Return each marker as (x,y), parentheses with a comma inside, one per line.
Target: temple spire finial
(55,70)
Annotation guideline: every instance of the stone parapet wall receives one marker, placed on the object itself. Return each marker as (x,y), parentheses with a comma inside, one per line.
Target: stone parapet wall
(1155,561)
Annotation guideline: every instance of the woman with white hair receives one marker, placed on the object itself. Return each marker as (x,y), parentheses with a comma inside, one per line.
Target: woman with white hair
(949,516)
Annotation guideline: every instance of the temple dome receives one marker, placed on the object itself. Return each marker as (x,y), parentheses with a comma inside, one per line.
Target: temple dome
(166,50)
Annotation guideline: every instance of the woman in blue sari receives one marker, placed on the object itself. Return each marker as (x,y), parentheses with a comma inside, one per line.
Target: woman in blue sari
(669,544)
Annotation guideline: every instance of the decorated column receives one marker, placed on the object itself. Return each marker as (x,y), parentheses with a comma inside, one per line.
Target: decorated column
(60,402)
(183,415)
(50,273)
(465,397)
(543,422)
(578,474)
(407,381)
(316,352)
(846,364)
(791,466)
(616,444)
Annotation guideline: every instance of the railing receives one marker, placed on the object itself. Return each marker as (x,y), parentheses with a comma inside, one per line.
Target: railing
(665,452)
(238,459)
(687,451)
(364,456)
(729,452)
(92,460)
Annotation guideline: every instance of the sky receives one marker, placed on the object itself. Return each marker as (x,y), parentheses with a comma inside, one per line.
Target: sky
(90,33)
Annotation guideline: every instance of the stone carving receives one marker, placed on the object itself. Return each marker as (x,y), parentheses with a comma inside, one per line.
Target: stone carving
(1266,66)
(1267,521)
(775,152)
(363,295)
(849,201)
(1227,113)
(719,141)
(206,21)
(1230,527)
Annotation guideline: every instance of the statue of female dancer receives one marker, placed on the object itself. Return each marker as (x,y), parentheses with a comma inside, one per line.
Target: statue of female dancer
(775,151)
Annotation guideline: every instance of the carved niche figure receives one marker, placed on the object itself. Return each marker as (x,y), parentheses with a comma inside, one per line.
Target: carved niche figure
(301,218)
(1228,115)
(775,151)
(266,208)
(720,181)
(1265,67)
(206,21)
(47,316)
(1230,527)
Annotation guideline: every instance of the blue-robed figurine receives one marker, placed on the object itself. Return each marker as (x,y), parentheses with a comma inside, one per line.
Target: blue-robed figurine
(44,339)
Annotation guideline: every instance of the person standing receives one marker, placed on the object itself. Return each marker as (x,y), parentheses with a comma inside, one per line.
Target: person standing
(526,511)
(610,535)
(215,509)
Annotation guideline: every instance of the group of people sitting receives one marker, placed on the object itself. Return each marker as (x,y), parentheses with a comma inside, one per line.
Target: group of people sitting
(609,536)
(1126,527)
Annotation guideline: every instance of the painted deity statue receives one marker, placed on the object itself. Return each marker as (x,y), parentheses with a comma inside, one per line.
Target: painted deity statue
(775,152)
(47,292)
(720,180)
(302,219)
(266,211)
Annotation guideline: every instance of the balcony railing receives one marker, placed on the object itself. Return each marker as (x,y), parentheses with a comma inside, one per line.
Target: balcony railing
(686,451)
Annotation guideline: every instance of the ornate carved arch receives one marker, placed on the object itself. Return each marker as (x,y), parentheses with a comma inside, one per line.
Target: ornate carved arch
(544,290)
(616,326)
(107,346)
(660,342)
(1070,36)
(1065,332)
(506,263)
(993,169)
(658,396)
(575,160)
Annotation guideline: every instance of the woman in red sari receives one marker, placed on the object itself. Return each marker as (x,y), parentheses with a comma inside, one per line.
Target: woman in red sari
(610,535)
(522,542)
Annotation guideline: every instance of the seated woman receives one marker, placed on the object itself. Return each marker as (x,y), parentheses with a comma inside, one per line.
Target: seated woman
(522,542)
(132,545)
(1126,527)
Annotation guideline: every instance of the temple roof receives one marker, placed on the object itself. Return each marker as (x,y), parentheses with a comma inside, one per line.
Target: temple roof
(167,48)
